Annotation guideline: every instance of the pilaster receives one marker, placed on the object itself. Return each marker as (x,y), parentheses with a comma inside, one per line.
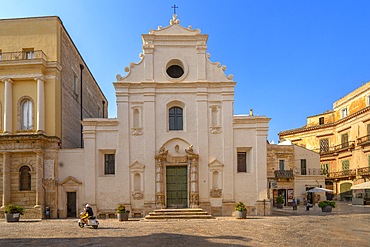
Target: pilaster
(6,179)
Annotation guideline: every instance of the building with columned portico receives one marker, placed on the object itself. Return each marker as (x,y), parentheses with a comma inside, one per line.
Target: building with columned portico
(46,89)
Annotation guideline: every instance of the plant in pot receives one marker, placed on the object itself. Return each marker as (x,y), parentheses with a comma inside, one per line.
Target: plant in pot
(326,206)
(280,202)
(122,213)
(13,212)
(240,211)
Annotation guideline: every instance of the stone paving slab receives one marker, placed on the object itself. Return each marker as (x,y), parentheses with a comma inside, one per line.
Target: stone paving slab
(348,226)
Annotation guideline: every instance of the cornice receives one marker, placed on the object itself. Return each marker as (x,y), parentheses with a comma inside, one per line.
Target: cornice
(100,122)
(323,126)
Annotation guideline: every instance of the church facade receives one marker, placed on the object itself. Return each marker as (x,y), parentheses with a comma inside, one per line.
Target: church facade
(175,143)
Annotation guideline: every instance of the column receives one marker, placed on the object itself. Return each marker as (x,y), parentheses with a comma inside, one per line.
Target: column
(8,111)
(6,178)
(39,178)
(40,104)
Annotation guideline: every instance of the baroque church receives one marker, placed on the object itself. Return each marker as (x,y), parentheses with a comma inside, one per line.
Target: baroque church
(175,143)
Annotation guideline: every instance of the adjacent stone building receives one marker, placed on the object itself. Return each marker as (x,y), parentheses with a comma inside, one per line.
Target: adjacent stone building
(342,138)
(46,90)
(175,143)
(292,171)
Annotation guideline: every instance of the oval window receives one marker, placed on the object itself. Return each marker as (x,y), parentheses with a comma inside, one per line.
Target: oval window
(175,71)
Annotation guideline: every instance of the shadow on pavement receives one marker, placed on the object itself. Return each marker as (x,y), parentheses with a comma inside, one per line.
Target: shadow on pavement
(165,239)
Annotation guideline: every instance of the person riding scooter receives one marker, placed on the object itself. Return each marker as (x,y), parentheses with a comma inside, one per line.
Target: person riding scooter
(88,213)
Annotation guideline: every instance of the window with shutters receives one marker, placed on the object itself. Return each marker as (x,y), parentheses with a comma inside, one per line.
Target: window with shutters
(345,165)
(303,167)
(242,161)
(281,165)
(175,118)
(344,140)
(324,145)
(109,164)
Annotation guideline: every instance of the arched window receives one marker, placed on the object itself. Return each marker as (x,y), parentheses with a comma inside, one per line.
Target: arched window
(26,115)
(24,178)
(175,118)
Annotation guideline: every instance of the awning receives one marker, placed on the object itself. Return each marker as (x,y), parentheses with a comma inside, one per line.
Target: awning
(318,190)
(361,186)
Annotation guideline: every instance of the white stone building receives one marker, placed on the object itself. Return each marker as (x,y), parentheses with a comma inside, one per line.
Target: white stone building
(176,142)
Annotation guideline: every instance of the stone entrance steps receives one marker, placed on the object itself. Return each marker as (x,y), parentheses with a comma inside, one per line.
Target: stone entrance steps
(183,213)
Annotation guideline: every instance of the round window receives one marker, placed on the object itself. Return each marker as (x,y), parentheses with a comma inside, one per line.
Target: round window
(175,71)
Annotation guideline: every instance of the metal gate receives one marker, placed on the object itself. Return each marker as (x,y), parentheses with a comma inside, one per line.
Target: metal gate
(177,186)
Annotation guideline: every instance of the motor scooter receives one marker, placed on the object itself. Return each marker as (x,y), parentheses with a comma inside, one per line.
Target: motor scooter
(90,222)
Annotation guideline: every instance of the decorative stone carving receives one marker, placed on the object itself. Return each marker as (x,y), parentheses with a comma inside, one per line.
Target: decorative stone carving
(174,20)
(176,159)
(159,200)
(136,131)
(215,130)
(177,147)
(137,195)
(194,199)
(215,193)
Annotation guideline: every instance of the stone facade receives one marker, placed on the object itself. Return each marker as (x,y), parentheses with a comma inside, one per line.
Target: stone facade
(39,113)
(342,138)
(174,122)
(291,171)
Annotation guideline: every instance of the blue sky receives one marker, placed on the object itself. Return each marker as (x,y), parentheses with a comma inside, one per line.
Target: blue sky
(291,59)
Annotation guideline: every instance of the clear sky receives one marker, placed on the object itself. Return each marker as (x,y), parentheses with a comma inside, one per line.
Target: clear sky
(291,59)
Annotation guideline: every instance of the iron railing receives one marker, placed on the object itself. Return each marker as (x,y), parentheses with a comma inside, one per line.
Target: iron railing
(283,174)
(22,55)
(363,140)
(338,148)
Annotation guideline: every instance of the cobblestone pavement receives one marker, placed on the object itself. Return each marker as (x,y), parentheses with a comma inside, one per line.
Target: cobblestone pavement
(346,226)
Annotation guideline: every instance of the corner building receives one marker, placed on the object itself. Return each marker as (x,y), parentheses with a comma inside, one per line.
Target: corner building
(342,138)
(46,89)
(176,142)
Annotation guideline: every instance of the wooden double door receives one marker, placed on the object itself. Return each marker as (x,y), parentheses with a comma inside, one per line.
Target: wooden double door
(177,186)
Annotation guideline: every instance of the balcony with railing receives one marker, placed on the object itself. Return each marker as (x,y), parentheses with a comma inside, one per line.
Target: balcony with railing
(22,56)
(351,173)
(364,140)
(287,174)
(343,147)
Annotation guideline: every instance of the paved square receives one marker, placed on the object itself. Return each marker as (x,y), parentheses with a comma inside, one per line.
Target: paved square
(346,226)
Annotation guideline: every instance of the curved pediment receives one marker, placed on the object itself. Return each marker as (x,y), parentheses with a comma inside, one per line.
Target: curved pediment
(171,46)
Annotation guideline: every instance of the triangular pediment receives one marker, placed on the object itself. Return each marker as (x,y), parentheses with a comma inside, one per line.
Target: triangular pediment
(215,163)
(136,165)
(70,181)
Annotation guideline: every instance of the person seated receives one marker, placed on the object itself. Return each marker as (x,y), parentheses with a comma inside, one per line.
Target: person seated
(88,213)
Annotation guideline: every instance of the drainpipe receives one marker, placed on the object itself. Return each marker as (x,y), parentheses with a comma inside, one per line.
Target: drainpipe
(81,109)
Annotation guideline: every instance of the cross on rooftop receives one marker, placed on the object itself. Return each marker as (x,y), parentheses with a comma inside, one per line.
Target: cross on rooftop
(174,8)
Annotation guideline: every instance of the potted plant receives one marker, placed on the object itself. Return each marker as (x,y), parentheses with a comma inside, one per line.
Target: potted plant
(240,211)
(122,213)
(280,202)
(326,206)
(13,212)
